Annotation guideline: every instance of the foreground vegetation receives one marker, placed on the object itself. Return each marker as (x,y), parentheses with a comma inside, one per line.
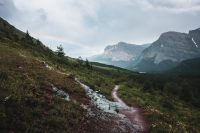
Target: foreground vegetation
(27,102)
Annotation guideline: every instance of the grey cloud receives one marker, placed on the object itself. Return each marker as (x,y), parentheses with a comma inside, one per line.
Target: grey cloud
(132,24)
(42,14)
(162,3)
(175,4)
(83,28)
(7,8)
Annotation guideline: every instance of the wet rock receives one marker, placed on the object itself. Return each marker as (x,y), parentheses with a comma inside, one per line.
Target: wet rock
(60,93)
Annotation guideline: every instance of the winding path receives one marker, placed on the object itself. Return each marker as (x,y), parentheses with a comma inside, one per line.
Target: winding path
(132,113)
(108,116)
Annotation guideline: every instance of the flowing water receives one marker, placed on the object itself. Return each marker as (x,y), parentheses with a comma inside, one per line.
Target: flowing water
(123,118)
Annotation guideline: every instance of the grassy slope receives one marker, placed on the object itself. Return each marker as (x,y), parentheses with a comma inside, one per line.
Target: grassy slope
(29,108)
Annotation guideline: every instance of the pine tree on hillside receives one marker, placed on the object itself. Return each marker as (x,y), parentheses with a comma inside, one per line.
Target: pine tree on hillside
(28,39)
(27,35)
(80,60)
(60,51)
(88,65)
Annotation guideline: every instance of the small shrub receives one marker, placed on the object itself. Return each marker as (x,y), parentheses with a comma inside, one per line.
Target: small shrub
(3,76)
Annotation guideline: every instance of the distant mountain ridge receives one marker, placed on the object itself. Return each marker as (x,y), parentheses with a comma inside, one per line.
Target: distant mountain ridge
(123,51)
(168,51)
(121,54)
(164,54)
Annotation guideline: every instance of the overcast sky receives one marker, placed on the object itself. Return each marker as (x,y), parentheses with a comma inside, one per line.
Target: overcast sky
(85,27)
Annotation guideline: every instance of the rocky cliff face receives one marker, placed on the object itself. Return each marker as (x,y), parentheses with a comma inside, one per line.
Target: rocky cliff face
(195,36)
(172,47)
(121,54)
(123,51)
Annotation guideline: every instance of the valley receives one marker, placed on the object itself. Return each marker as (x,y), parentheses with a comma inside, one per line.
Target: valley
(43,91)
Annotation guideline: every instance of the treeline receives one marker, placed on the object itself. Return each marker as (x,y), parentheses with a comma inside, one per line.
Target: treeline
(186,88)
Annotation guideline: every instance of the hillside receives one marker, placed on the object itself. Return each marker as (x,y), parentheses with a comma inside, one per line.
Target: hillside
(187,67)
(41,91)
(28,102)
(29,75)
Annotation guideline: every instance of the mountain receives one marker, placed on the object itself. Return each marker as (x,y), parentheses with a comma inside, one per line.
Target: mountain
(169,50)
(121,54)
